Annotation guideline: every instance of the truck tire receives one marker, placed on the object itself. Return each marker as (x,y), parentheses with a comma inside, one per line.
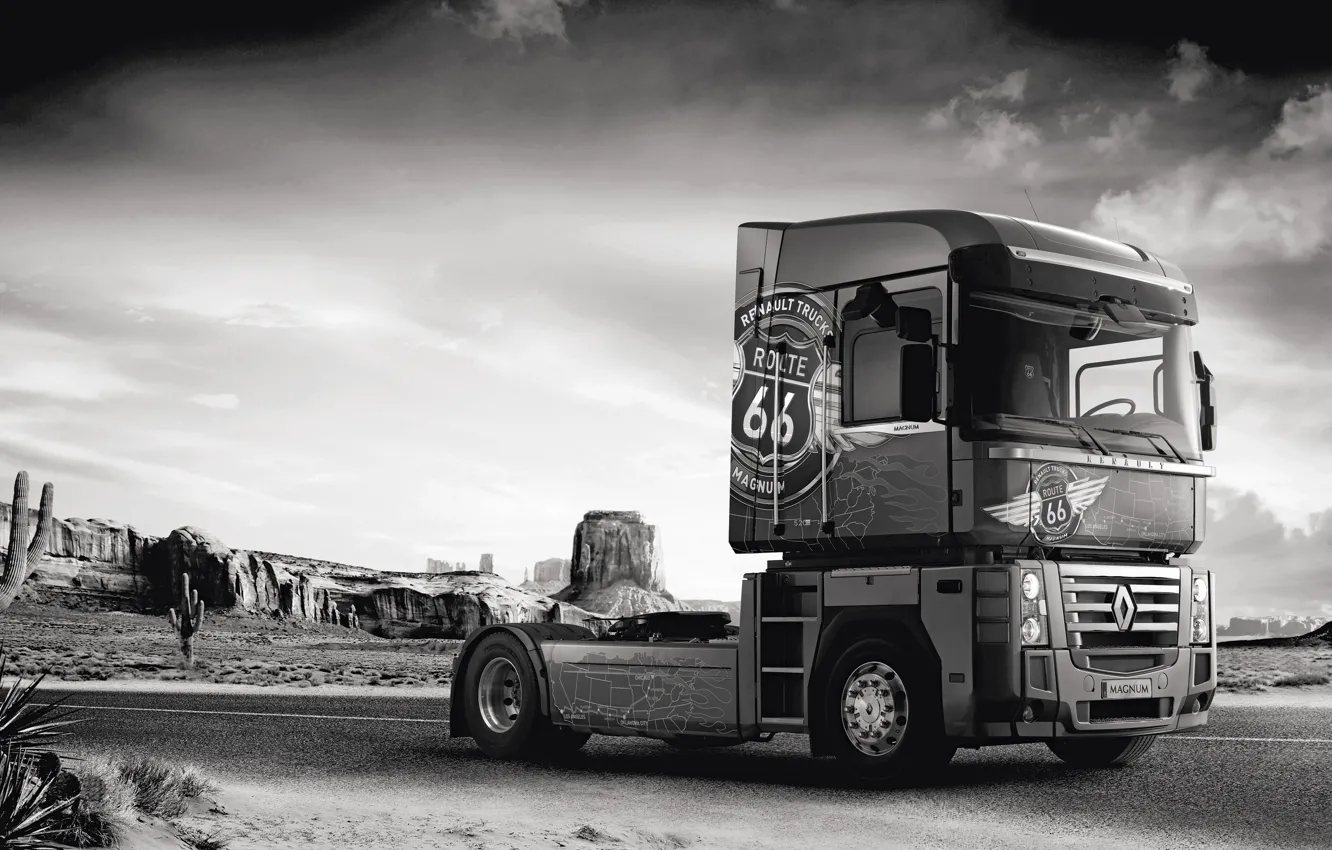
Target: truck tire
(1102,752)
(883,713)
(502,705)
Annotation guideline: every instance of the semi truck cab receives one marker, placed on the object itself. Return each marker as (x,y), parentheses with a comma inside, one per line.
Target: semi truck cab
(973,445)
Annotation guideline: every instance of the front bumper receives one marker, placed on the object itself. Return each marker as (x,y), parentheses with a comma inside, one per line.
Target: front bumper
(1069,701)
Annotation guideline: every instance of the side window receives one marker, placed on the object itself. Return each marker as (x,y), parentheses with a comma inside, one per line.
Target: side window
(877,358)
(872,357)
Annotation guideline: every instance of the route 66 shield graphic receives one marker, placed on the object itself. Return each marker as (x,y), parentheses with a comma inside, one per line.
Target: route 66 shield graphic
(779,360)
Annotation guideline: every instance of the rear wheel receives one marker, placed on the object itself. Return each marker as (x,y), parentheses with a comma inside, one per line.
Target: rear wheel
(502,704)
(883,713)
(1101,752)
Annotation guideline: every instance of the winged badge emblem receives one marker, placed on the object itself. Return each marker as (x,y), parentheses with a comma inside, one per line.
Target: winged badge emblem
(1025,510)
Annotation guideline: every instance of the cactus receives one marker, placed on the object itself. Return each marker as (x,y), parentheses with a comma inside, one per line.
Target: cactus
(18,563)
(188,622)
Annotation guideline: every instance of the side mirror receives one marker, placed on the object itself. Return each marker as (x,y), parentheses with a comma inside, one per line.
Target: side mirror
(1207,400)
(918,388)
(914,324)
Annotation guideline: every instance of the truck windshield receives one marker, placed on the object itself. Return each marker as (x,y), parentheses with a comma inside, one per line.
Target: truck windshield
(1054,374)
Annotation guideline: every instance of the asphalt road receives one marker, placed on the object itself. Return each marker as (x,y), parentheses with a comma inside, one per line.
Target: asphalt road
(1259,777)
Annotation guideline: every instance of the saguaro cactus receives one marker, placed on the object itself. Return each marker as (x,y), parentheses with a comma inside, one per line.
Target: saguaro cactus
(24,556)
(188,621)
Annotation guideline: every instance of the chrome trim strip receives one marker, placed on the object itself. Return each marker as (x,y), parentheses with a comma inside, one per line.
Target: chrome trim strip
(1112,627)
(896,427)
(1197,470)
(1129,571)
(1138,589)
(872,571)
(1098,266)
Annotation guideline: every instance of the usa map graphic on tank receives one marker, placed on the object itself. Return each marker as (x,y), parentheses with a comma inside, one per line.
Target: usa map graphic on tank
(642,692)
(781,366)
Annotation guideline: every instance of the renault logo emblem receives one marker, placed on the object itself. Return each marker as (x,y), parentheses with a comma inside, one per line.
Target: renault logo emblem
(1125,607)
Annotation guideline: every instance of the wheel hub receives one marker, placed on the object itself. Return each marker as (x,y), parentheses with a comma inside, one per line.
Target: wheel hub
(874,709)
(499,695)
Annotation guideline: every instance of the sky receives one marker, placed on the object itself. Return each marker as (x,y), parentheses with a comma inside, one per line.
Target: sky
(441,284)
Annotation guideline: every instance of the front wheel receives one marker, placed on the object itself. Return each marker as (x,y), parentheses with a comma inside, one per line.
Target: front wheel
(502,705)
(1101,752)
(883,713)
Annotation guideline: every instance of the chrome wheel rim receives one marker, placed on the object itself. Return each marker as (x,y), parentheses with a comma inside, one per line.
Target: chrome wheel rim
(874,709)
(499,695)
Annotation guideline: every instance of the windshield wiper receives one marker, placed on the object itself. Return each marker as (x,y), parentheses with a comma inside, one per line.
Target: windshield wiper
(1071,425)
(1146,436)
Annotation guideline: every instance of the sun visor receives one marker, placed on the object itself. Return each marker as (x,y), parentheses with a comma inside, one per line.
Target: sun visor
(1073,279)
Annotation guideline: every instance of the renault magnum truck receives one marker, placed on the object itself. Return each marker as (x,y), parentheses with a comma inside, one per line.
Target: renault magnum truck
(974,446)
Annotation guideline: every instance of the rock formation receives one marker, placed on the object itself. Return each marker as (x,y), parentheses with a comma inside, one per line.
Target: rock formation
(488,563)
(101,564)
(548,577)
(616,566)
(436,566)
(552,569)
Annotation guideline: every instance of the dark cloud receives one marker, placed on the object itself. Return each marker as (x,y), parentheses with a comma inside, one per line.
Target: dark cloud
(1278,40)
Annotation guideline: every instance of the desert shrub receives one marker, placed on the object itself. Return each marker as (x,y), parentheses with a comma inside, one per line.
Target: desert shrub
(200,840)
(104,807)
(161,789)
(1295,680)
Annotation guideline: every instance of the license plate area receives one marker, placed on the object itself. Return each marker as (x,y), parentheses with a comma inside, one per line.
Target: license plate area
(1127,689)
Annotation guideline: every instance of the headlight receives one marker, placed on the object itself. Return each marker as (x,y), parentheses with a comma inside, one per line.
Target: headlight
(1031,586)
(1031,630)
(1201,632)
(1200,590)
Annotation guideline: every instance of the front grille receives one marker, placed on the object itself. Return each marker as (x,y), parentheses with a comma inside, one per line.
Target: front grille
(1120,606)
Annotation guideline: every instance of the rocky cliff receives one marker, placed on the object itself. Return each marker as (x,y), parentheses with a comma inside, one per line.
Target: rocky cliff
(1269,626)
(616,566)
(552,570)
(102,564)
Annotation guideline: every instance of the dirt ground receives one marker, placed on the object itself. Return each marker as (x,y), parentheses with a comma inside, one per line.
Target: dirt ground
(245,650)
(230,649)
(1260,668)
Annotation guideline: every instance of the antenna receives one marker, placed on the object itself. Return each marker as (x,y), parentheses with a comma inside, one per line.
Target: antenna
(1033,206)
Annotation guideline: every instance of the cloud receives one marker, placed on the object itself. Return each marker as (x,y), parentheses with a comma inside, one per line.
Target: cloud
(1189,71)
(1221,207)
(58,366)
(945,117)
(1125,132)
(1263,566)
(516,19)
(1010,88)
(998,136)
(222,401)
(208,494)
(1305,125)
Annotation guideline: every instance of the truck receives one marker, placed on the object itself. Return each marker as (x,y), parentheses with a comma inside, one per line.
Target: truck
(972,446)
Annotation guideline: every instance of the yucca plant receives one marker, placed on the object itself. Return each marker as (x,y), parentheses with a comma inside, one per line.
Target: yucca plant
(24,726)
(27,817)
